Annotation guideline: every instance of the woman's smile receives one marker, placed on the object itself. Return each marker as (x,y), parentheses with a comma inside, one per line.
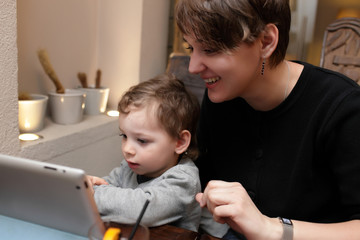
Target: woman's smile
(211,81)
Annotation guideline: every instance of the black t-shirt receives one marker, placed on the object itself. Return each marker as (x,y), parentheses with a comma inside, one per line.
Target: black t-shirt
(300,160)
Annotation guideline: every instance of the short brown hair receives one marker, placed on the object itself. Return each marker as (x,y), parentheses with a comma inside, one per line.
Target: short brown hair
(223,24)
(177,108)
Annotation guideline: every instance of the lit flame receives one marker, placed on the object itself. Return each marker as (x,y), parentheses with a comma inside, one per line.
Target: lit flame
(113,113)
(29,137)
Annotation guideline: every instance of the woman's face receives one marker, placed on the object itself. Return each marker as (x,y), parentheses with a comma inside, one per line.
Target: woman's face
(227,75)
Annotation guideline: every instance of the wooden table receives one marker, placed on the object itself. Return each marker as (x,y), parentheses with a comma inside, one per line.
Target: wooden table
(167,232)
(171,232)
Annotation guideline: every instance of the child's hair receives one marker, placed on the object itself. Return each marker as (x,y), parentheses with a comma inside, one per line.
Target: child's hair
(176,108)
(222,24)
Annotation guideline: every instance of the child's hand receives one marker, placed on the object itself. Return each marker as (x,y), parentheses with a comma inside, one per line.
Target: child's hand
(92,180)
(97,181)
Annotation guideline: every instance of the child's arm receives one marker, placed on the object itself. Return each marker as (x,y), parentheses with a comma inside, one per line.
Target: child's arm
(92,180)
(172,198)
(97,181)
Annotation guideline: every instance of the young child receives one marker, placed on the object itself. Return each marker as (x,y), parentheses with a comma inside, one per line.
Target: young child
(157,124)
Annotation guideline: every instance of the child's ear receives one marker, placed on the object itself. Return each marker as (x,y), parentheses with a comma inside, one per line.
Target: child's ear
(269,40)
(183,142)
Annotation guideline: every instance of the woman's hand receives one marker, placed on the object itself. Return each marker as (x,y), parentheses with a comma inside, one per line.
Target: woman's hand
(230,203)
(92,180)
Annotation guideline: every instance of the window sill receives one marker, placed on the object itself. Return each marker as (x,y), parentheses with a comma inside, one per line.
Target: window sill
(60,139)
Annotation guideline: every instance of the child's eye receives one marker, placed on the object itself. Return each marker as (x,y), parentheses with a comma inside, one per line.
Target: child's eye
(142,141)
(123,135)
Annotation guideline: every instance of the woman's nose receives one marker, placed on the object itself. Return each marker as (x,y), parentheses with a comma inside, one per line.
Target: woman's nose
(196,65)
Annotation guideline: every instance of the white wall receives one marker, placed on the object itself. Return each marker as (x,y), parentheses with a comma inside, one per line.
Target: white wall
(67,30)
(154,23)
(126,39)
(119,44)
(8,78)
(132,42)
(81,35)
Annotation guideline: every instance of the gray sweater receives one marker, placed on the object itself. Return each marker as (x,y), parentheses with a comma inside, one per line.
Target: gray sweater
(172,197)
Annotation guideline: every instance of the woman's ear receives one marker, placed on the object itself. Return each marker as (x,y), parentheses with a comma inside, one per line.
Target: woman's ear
(269,40)
(183,142)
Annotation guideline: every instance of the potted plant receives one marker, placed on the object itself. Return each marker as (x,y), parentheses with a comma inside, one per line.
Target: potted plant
(66,105)
(96,95)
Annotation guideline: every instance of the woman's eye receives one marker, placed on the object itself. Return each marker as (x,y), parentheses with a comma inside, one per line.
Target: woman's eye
(210,51)
(190,48)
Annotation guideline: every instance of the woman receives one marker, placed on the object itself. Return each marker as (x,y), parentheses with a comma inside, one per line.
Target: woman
(279,140)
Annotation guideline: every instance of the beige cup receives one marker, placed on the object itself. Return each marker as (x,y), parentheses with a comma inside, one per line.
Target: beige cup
(32,113)
(67,108)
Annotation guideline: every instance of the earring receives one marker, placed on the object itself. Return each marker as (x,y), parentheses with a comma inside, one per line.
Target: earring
(263,67)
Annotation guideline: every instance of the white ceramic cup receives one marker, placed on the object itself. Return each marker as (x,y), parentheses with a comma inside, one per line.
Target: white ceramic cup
(32,113)
(96,99)
(67,108)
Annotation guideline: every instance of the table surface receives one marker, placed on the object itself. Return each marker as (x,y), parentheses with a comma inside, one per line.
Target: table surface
(11,228)
(171,232)
(167,232)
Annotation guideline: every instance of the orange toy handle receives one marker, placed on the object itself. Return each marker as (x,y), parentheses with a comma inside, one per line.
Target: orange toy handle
(112,234)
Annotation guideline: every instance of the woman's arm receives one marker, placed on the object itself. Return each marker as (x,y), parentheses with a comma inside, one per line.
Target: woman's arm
(229,203)
(310,231)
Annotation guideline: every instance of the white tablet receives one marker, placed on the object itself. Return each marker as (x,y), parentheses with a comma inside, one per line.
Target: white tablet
(47,194)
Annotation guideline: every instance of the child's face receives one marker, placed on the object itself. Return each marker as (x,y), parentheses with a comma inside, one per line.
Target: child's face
(148,149)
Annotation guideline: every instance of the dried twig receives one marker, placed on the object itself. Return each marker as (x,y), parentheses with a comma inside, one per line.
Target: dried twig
(45,62)
(24,96)
(98,79)
(83,80)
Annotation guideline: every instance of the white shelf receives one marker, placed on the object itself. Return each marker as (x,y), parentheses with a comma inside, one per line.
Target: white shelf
(60,139)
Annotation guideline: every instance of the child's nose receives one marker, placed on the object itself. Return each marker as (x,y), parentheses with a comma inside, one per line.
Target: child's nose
(128,149)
